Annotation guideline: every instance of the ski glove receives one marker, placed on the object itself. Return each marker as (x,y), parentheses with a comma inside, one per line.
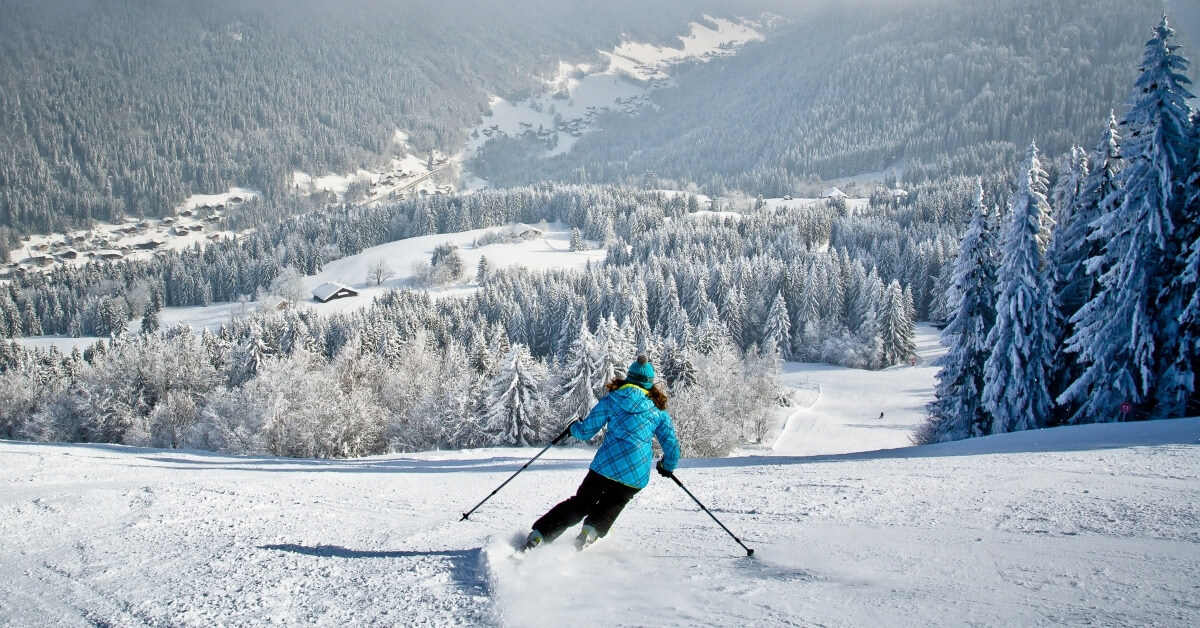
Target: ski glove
(662,470)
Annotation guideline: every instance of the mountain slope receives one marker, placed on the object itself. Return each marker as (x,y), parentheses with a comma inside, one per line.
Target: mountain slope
(125,107)
(1096,524)
(929,88)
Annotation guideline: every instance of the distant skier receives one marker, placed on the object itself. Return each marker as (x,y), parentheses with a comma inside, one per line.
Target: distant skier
(880,416)
(634,410)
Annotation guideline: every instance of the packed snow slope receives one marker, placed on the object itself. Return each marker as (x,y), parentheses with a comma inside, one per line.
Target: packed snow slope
(842,410)
(1098,524)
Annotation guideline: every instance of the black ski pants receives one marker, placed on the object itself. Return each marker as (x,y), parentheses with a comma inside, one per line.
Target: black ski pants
(597,503)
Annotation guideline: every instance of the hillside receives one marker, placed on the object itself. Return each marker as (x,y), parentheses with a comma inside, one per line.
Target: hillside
(1054,527)
(928,89)
(122,108)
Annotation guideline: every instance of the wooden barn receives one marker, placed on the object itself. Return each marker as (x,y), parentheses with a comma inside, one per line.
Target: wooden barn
(327,292)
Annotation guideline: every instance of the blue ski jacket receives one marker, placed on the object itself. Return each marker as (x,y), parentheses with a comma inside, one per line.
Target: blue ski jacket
(632,419)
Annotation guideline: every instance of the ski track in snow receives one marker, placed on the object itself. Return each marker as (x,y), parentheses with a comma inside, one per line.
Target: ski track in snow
(1096,524)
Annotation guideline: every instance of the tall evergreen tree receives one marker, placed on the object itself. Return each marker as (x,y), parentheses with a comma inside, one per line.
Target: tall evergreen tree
(777,329)
(1015,385)
(1075,242)
(1178,355)
(957,411)
(517,407)
(578,392)
(1120,332)
(899,329)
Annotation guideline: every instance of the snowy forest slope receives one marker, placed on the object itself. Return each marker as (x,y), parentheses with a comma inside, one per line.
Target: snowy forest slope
(930,88)
(1062,531)
(112,108)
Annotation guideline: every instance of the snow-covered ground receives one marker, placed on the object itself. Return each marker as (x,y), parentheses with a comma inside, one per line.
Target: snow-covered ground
(1091,525)
(550,250)
(859,410)
(1096,525)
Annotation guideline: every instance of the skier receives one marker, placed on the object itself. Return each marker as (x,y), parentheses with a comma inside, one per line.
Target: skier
(634,410)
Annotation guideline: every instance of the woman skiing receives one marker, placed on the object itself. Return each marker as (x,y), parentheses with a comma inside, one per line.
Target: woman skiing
(634,410)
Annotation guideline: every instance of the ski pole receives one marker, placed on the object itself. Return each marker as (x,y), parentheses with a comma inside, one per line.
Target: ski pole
(467,515)
(749,552)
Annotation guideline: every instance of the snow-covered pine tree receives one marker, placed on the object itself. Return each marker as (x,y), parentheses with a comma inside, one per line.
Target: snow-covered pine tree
(517,412)
(1061,256)
(1189,283)
(578,392)
(898,329)
(777,328)
(1015,386)
(1118,332)
(1072,246)
(1177,353)
(611,353)
(869,331)
(957,412)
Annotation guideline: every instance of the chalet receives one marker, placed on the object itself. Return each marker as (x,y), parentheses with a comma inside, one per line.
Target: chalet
(237,199)
(196,227)
(69,254)
(327,292)
(833,193)
(108,254)
(186,213)
(525,232)
(148,245)
(42,260)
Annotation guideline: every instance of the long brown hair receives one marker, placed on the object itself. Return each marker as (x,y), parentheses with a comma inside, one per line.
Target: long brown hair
(656,392)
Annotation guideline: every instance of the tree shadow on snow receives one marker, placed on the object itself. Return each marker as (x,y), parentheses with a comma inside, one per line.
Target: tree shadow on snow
(1092,437)
(334,551)
(493,464)
(468,567)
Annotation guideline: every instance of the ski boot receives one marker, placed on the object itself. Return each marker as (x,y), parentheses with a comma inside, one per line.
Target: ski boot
(587,536)
(534,540)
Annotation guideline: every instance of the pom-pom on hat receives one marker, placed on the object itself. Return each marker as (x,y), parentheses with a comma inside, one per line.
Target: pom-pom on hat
(641,373)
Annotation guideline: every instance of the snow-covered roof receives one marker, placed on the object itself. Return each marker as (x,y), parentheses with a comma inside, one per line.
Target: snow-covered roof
(331,290)
(833,193)
(522,229)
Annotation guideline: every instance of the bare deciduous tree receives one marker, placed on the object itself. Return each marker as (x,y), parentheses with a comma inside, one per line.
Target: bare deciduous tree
(379,272)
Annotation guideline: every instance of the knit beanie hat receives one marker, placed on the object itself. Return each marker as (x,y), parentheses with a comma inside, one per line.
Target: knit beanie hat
(641,373)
